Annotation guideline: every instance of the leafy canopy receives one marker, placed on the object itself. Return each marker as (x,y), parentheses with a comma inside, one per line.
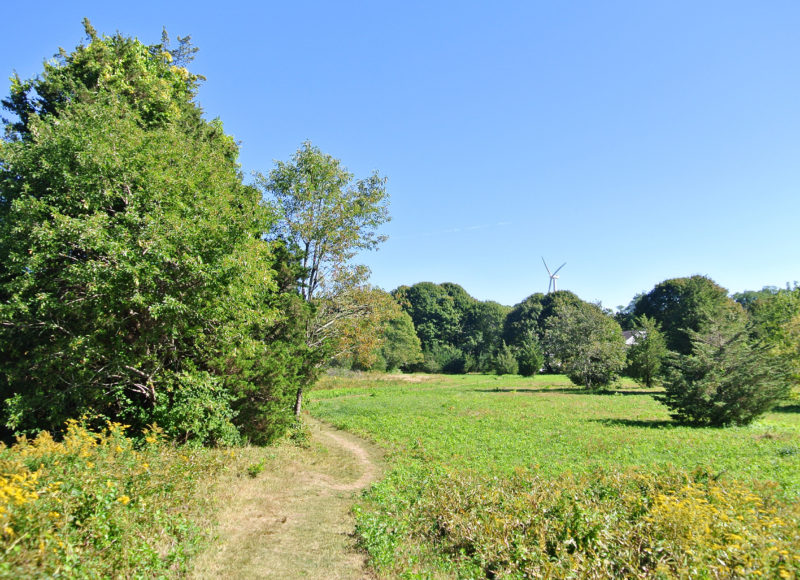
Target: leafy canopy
(585,343)
(327,215)
(135,284)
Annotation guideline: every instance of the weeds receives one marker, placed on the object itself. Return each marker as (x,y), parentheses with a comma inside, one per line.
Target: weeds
(93,505)
(544,480)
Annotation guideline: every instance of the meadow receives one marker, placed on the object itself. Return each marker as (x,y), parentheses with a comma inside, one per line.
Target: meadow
(510,477)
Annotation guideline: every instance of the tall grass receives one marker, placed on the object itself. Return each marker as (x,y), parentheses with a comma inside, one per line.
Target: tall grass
(94,505)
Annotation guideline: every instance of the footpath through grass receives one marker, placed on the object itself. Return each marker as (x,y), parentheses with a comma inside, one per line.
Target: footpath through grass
(512,477)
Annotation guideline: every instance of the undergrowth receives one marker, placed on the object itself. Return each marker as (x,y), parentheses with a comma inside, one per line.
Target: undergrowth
(96,505)
(611,524)
(496,478)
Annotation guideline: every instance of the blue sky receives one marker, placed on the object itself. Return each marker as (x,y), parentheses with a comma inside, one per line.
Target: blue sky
(635,141)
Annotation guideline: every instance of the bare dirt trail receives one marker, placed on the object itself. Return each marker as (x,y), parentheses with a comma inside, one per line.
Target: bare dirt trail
(293,520)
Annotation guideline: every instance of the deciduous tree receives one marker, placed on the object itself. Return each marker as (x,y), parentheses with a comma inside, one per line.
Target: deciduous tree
(328,216)
(585,343)
(681,305)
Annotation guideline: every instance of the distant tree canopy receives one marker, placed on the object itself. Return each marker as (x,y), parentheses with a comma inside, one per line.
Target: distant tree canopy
(401,348)
(436,315)
(525,325)
(681,305)
(775,316)
(457,332)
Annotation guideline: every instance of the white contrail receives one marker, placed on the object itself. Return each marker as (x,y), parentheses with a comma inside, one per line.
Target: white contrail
(452,230)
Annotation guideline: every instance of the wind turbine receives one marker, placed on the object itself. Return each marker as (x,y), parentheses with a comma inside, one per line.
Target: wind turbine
(553,276)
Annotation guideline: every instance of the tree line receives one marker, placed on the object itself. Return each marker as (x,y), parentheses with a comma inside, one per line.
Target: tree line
(721,359)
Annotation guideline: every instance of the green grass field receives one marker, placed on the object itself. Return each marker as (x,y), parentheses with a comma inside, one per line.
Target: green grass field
(512,477)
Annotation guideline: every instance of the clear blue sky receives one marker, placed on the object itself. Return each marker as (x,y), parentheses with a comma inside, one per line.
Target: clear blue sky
(636,141)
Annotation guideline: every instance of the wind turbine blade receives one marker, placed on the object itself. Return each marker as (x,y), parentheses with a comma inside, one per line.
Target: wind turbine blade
(545,267)
(561,266)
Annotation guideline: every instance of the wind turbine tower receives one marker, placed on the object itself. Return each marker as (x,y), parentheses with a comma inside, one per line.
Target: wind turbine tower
(553,276)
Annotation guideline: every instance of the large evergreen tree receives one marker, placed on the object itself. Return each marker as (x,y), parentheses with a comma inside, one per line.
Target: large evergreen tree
(134,280)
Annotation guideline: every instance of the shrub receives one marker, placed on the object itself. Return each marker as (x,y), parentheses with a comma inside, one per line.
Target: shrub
(530,359)
(726,379)
(443,358)
(505,363)
(606,524)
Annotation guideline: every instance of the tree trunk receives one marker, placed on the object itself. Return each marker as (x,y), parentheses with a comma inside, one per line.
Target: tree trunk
(298,402)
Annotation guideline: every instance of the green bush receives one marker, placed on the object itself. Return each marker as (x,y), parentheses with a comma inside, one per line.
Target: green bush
(530,358)
(135,281)
(505,363)
(726,379)
(443,358)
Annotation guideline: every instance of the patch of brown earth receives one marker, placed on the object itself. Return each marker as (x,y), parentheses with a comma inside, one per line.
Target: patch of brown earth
(293,520)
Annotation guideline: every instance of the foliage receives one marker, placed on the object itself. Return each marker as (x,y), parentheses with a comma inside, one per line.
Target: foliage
(530,358)
(775,315)
(726,379)
(327,215)
(151,80)
(585,343)
(327,218)
(401,348)
(681,305)
(442,358)
(435,313)
(525,325)
(477,476)
(351,326)
(607,524)
(446,317)
(97,505)
(749,297)
(647,354)
(522,324)
(482,328)
(134,278)
(505,363)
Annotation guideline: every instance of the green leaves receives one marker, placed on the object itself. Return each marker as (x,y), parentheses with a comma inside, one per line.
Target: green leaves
(326,214)
(726,379)
(586,343)
(136,284)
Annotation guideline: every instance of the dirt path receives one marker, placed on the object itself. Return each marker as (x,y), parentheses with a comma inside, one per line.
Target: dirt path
(293,520)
